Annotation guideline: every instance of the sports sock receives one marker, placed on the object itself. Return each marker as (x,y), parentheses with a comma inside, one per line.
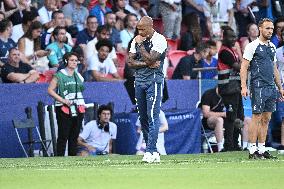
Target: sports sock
(261,148)
(252,148)
(220,146)
(245,144)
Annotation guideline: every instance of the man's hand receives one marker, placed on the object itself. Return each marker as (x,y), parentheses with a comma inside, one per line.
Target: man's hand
(281,91)
(91,148)
(139,39)
(244,92)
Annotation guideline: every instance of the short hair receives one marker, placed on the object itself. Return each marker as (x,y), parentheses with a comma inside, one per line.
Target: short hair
(227,31)
(211,43)
(53,15)
(201,47)
(28,16)
(249,25)
(104,42)
(90,17)
(13,49)
(102,28)
(260,23)
(57,29)
(4,24)
(102,108)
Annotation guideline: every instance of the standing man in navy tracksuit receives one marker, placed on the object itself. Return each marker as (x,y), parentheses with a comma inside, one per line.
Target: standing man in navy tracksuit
(260,57)
(146,55)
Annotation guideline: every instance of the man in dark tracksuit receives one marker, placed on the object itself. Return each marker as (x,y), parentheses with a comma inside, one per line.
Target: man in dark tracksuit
(146,55)
(260,57)
(229,89)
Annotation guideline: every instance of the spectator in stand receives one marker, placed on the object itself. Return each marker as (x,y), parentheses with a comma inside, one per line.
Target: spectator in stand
(279,25)
(120,12)
(76,14)
(6,43)
(193,36)
(265,9)
(58,48)
(210,62)
(57,20)
(99,11)
(100,65)
(24,6)
(88,33)
(82,62)
(135,8)
(20,29)
(197,7)
(213,112)
(127,34)
(252,33)
(171,16)
(110,19)
(246,13)
(29,45)
(45,13)
(103,32)
(184,69)
(15,71)
(218,13)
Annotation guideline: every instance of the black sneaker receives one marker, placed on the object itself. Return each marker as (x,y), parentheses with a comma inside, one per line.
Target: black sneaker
(256,155)
(267,155)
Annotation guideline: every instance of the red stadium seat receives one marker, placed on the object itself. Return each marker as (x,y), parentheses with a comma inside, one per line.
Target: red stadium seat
(172,44)
(170,72)
(175,55)
(120,72)
(48,75)
(121,59)
(158,25)
(93,3)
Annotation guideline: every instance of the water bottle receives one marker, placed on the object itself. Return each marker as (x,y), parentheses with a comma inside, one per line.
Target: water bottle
(205,147)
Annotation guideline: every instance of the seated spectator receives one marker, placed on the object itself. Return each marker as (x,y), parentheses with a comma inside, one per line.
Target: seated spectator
(119,10)
(127,34)
(218,13)
(184,69)
(213,112)
(141,146)
(29,45)
(135,8)
(103,32)
(99,11)
(97,137)
(76,14)
(193,36)
(101,65)
(15,71)
(82,64)
(210,62)
(45,13)
(252,32)
(6,43)
(89,33)
(20,29)
(58,48)
(110,19)
(24,6)
(171,12)
(278,26)
(57,20)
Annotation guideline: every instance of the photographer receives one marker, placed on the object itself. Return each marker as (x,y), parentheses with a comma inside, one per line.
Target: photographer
(98,135)
(69,103)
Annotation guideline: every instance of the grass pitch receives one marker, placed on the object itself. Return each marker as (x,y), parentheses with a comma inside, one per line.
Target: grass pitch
(221,170)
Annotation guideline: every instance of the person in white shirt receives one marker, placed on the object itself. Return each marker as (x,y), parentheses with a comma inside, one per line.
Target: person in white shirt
(101,67)
(97,136)
(140,146)
(45,13)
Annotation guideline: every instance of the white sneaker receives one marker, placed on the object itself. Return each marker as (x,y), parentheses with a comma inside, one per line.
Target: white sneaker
(147,157)
(156,157)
